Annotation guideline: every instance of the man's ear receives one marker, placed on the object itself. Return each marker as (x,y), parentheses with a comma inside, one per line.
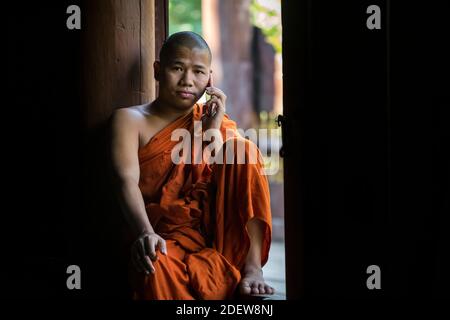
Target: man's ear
(157,70)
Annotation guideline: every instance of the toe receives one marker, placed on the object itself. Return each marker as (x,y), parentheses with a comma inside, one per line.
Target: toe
(255,289)
(245,288)
(270,290)
(261,288)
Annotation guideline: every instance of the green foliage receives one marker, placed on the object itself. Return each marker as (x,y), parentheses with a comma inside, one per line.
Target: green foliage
(185,15)
(268,19)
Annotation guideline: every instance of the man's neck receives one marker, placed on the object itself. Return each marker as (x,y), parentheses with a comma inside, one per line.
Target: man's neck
(166,110)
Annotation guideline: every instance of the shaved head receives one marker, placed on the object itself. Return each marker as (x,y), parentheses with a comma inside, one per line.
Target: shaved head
(186,39)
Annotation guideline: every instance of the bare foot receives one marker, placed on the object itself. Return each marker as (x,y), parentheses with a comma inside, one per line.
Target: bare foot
(252,282)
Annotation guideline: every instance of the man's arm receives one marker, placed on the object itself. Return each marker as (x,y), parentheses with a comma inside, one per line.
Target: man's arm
(125,146)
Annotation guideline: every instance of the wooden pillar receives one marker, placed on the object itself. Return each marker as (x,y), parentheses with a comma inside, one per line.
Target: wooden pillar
(118,50)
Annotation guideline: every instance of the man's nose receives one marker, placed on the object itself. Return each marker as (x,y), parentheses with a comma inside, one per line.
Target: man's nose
(187,79)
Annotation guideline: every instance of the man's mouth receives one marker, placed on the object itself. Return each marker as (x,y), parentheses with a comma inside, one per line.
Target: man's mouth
(185,94)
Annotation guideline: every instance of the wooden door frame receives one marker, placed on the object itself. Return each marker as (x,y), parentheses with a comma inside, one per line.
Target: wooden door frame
(161,28)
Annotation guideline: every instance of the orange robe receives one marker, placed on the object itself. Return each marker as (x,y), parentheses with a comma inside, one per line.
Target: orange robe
(201,211)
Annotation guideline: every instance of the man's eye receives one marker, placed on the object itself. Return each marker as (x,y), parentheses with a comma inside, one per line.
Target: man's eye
(177,69)
(199,71)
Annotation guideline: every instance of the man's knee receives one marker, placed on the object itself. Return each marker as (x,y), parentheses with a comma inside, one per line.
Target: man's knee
(238,150)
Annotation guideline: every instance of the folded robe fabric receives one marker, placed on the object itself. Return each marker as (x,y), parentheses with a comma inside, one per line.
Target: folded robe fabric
(201,210)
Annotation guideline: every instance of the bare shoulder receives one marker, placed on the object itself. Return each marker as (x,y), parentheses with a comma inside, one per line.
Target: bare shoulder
(129,117)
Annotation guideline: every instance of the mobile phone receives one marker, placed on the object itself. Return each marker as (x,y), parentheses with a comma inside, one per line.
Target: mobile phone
(209,111)
(209,85)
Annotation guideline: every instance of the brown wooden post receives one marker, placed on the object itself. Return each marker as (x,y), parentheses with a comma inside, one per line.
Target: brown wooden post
(161,26)
(118,50)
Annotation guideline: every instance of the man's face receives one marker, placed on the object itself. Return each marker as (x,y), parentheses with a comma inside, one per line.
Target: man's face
(184,77)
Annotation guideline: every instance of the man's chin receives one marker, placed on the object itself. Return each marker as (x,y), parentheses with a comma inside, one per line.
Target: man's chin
(186,103)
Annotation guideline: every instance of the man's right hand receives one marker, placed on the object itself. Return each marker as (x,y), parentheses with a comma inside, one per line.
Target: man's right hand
(143,251)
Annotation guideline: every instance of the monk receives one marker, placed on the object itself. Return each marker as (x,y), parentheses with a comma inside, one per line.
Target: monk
(196,230)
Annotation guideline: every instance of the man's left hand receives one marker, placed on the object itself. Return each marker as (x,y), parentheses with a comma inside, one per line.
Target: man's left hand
(213,109)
